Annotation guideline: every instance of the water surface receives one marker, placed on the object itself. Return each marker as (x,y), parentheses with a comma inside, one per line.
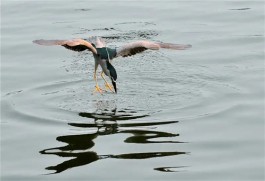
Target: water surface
(196,114)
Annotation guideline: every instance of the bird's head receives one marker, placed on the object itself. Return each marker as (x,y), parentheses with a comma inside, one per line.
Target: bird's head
(113,75)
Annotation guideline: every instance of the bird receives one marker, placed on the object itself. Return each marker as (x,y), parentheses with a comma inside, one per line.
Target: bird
(104,55)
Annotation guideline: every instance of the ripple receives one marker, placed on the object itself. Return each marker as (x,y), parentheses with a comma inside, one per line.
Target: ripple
(13,93)
(143,92)
(118,33)
(83,9)
(241,9)
(155,91)
(40,106)
(136,22)
(131,35)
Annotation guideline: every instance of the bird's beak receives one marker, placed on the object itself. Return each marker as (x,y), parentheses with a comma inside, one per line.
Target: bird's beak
(114,85)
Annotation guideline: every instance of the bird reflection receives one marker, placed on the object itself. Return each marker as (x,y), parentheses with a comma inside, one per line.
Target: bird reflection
(78,147)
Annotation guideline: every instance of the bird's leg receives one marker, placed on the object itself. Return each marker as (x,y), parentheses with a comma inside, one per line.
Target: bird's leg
(97,88)
(107,85)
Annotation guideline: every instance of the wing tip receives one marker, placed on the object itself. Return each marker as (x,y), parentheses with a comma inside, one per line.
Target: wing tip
(175,46)
(36,41)
(48,42)
(188,46)
(39,42)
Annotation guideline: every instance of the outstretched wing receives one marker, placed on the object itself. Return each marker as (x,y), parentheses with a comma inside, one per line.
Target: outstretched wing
(75,44)
(140,46)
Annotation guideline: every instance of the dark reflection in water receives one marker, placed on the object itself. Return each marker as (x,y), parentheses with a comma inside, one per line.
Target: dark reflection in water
(78,146)
(169,169)
(111,116)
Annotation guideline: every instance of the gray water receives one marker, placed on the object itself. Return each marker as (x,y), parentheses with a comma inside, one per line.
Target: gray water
(196,114)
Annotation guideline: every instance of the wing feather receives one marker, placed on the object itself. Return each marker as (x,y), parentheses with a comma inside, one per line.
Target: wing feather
(75,44)
(140,46)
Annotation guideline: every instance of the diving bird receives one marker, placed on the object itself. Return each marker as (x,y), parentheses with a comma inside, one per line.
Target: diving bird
(103,54)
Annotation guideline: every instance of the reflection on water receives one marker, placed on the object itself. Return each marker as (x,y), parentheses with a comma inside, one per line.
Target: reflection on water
(169,169)
(105,123)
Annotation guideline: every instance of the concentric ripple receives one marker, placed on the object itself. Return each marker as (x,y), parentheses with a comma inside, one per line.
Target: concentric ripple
(156,90)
